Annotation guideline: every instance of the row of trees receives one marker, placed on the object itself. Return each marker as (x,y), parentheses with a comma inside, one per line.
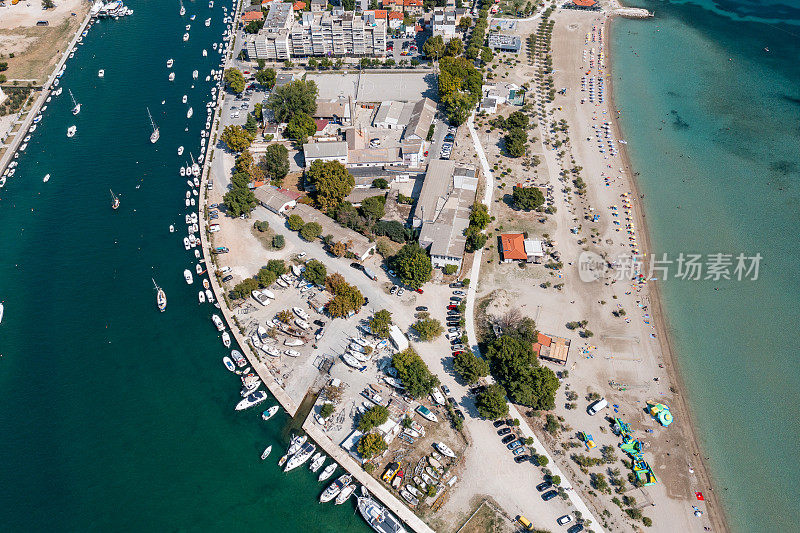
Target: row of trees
(240,199)
(478,221)
(459,87)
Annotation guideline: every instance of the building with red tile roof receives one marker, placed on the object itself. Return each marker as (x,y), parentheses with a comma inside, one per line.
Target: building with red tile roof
(379,13)
(512,247)
(250,16)
(551,348)
(299,6)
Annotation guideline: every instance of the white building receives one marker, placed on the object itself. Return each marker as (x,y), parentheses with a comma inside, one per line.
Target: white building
(341,34)
(272,41)
(399,341)
(325,151)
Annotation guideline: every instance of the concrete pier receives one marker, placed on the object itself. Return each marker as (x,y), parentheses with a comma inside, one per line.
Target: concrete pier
(633,13)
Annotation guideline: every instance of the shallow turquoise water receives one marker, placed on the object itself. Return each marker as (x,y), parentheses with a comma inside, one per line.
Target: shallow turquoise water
(712,121)
(113,416)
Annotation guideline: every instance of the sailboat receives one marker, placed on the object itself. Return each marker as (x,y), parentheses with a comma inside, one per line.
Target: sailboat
(161,297)
(195,166)
(114,200)
(153,136)
(183,9)
(77,108)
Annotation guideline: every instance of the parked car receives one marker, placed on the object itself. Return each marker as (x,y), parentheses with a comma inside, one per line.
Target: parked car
(549,495)
(514,445)
(393,289)
(457,348)
(445,390)
(355,265)
(522,458)
(452,307)
(460,414)
(419,291)
(227,278)
(457,353)
(566,519)
(498,423)
(400,291)
(519,451)
(544,485)
(224,270)
(575,529)
(452,401)
(456,285)
(503,431)
(320,323)
(459,293)
(421,308)
(453,324)
(508,438)
(455,299)
(453,330)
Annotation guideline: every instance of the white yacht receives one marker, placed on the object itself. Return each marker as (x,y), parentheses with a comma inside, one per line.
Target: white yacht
(184,99)
(155,135)
(201,297)
(171,76)
(46,178)
(251,400)
(170,62)
(180,152)
(218,322)
(195,74)
(187,275)
(101,73)
(345,494)
(327,472)
(71,131)
(208,22)
(226,339)
(317,463)
(205,52)
(189,113)
(444,449)
(266,452)
(185,37)
(269,413)
(77,107)
(335,488)
(300,457)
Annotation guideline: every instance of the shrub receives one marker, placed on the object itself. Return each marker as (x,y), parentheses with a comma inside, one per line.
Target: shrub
(295,222)
(326,410)
(428,328)
(491,403)
(372,418)
(371,445)
(310,231)
(450,269)
(261,225)
(380,183)
(278,242)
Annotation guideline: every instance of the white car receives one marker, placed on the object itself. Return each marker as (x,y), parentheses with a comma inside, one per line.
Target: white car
(566,519)
(225,270)
(400,291)
(301,255)
(213,228)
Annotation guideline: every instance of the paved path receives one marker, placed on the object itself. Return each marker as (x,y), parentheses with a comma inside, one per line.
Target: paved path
(469,317)
(344,459)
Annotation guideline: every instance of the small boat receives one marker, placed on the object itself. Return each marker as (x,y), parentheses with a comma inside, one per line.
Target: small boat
(46,178)
(427,479)
(251,400)
(183,9)
(2,310)
(183,171)
(413,490)
(205,54)
(410,498)
(208,22)
(101,73)
(180,152)
(239,358)
(327,472)
(185,37)
(335,488)
(345,494)
(71,131)
(431,472)
(426,413)
(187,275)
(161,297)
(218,322)
(434,463)
(351,361)
(201,297)
(317,461)
(76,106)
(296,444)
(209,296)
(377,516)
(282,460)
(155,135)
(292,353)
(293,342)
(421,484)
(226,339)
(269,413)
(171,76)
(114,200)
(189,113)
(266,452)
(228,363)
(444,449)
(186,243)
(195,74)
(170,62)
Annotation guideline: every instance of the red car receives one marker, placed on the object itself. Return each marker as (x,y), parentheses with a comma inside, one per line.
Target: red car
(452,307)
(420,291)
(457,353)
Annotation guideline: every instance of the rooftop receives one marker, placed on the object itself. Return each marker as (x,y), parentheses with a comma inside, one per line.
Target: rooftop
(513,246)
(325,149)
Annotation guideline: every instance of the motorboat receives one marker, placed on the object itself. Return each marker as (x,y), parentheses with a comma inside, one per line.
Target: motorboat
(270,351)
(205,54)
(345,494)
(426,413)
(377,516)
(228,363)
(431,472)
(293,342)
(171,76)
(185,37)
(266,452)
(358,356)
(189,113)
(101,73)
(226,339)
(209,296)
(251,400)
(183,170)
(351,361)
(183,9)
(410,498)
(187,275)
(292,353)
(208,22)
(335,488)
(46,178)
(302,324)
(300,457)
(299,312)
(180,152)
(201,297)
(71,131)
(238,357)
(327,472)
(170,62)
(317,461)
(394,382)
(269,413)
(218,322)
(444,449)
(186,243)
(195,74)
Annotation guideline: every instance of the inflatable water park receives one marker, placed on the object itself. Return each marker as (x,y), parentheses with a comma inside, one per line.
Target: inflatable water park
(633,447)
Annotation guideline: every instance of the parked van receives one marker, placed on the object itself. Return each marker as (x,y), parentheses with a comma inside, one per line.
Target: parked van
(525,523)
(597,406)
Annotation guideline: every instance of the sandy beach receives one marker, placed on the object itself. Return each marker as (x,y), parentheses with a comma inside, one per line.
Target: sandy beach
(628,358)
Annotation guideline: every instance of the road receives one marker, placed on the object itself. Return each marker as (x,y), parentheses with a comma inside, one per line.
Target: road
(469,316)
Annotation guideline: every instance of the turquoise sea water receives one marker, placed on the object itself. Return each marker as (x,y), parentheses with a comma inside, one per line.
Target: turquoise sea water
(113,416)
(713,122)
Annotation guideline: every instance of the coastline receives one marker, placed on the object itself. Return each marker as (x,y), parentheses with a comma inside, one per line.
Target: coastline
(681,403)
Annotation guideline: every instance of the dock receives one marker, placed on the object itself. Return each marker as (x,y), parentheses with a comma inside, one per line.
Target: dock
(47,88)
(633,13)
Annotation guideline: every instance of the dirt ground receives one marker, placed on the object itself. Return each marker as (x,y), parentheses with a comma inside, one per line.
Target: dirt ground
(36,49)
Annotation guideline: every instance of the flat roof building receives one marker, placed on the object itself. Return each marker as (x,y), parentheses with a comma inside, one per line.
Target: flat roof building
(505,43)
(325,151)
(421,119)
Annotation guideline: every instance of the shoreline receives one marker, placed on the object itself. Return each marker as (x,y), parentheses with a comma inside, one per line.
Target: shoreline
(715,511)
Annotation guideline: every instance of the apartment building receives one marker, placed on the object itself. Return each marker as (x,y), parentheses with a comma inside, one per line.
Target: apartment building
(272,41)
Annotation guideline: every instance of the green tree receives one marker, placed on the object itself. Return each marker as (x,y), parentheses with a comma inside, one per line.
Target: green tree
(476,239)
(470,367)
(454,47)
(347,298)
(250,125)
(278,266)
(332,182)
(373,208)
(458,107)
(517,119)
(300,127)
(428,328)
(514,364)
(299,96)
(464,23)
(295,222)
(479,216)
(374,416)
(450,269)
(266,77)
(278,242)
(491,403)
(516,141)
(371,445)
(234,80)
(414,373)
(380,322)
(527,198)
(244,288)
(486,54)
(412,265)
(244,162)
(380,183)
(434,47)
(315,272)
(236,138)
(266,277)
(310,231)
(276,163)
(326,410)
(261,225)
(48,4)
(239,201)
